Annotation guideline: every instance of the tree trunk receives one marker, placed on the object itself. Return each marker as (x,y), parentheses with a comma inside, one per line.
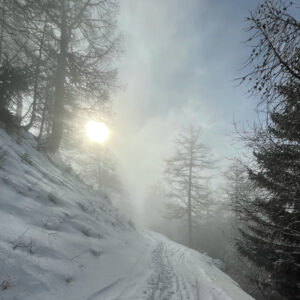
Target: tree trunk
(58,109)
(99,172)
(2,34)
(190,206)
(44,114)
(19,110)
(37,74)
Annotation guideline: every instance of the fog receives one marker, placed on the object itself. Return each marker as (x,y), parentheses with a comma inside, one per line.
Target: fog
(181,115)
(178,69)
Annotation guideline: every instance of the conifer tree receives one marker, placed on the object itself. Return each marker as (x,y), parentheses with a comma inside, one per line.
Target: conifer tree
(66,48)
(272,236)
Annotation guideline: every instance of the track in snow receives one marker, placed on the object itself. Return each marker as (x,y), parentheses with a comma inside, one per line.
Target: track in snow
(167,271)
(82,248)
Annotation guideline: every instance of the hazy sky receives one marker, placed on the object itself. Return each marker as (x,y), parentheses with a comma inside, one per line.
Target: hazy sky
(178,68)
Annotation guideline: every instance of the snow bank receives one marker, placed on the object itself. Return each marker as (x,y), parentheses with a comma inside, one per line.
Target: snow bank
(60,239)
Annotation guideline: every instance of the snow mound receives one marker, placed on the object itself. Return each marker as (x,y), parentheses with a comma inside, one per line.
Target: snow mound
(60,239)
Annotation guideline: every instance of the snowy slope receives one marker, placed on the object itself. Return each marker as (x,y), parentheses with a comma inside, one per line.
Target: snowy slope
(61,240)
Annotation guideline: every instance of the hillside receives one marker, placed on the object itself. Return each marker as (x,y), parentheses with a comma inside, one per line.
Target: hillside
(60,239)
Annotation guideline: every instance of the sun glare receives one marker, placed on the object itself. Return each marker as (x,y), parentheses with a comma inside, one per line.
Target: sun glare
(97,131)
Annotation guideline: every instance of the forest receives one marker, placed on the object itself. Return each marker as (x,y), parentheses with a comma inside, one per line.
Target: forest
(229,188)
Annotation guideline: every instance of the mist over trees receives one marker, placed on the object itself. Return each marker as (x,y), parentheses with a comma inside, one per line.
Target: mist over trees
(252,225)
(185,177)
(100,170)
(57,72)
(66,49)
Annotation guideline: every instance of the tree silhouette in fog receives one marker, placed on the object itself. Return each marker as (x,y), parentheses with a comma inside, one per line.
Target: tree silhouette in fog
(186,177)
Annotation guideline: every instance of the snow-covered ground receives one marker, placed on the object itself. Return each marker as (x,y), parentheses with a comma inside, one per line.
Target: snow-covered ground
(59,240)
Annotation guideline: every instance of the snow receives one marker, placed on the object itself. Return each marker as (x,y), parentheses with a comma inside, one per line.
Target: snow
(60,239)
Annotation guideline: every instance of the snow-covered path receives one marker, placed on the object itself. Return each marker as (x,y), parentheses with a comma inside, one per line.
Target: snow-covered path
(164,270)
(60,239)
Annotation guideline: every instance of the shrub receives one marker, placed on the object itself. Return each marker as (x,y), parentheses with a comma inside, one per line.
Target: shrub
(3,153)
(19,243)
(25,157)
(6,283)
(13,81)
(96,252)
(86,231)
(52,198)
(68,169)
(69,279)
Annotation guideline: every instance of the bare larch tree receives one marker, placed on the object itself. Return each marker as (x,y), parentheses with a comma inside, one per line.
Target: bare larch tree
(274,38)
(185,176)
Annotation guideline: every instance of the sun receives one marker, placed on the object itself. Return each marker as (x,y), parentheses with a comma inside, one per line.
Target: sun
(97,132)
